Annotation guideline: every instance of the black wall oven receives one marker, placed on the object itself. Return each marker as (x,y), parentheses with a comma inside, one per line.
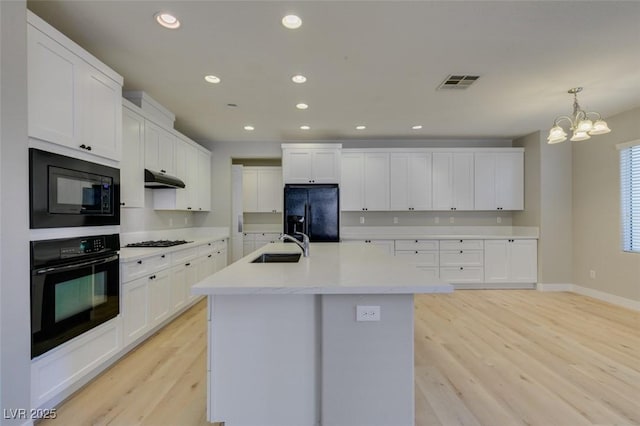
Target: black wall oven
(74,287)
(67,192)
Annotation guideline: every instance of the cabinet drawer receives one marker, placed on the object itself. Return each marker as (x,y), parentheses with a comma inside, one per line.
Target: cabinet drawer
(207,248)
(417,257)
(462,274)
(461,258)
(461,244)
(416,244)
(429,272)
(184,255)
(143,266)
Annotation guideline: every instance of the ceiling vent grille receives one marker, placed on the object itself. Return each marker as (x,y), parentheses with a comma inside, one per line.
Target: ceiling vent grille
(458,82)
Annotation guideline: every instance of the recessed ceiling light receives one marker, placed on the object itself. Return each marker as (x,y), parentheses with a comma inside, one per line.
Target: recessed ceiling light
(299,78)
(305,127)
(167,20)
(249,128)
(361,127)
(302,106)
(212,79)
(292,22)
(417,127)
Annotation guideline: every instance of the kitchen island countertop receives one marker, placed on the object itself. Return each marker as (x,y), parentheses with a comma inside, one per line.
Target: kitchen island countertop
(331,268)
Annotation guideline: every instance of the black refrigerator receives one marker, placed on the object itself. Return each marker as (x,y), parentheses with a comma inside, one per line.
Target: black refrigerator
(313,210)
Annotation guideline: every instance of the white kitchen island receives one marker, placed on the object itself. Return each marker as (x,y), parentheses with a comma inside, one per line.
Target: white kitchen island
(285,347)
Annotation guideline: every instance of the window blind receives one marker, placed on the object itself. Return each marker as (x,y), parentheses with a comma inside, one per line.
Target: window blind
(630,197)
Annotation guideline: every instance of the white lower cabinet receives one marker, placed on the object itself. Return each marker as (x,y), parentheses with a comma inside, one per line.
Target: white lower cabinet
(422,254)
(462,261)
(511,261)
(159,297)
(178,278)
(135,309)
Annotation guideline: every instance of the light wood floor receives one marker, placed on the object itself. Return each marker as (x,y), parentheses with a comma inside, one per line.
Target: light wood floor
(492,358)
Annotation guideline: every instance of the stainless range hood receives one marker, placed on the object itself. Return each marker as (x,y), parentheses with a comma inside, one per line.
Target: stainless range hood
(161,180)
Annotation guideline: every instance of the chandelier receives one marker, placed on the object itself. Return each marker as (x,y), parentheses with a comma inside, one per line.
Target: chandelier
(581,126)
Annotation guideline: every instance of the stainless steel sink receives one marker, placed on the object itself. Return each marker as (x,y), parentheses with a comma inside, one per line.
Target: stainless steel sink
(277,258)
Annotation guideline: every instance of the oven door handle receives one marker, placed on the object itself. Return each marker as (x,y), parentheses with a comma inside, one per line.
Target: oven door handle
(77,265)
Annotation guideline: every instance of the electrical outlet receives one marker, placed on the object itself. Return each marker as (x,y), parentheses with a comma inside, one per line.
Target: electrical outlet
(451,220)
(367,313)
(499,219)
(437,220)
(361,220)
(395,220)
(592,274)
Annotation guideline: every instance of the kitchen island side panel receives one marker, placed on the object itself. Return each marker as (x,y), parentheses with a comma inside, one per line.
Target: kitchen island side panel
(264,354)
(367,367)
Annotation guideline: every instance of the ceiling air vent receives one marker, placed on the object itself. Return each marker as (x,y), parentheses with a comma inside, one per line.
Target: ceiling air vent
(458,82)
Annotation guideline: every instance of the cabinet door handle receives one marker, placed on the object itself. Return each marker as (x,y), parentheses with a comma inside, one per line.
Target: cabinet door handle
(163,256)
(210,255)
(83,146)
(187,264)
(188,208)
(139,262)
(416,241)
(416,251)
(461,268)
(460,251)
(122,204)
(163,171)
(89,148)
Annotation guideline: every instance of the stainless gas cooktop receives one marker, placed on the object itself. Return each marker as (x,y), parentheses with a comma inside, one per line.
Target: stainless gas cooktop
(158,243)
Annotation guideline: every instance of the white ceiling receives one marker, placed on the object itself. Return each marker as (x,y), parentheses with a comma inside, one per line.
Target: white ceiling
(376,63)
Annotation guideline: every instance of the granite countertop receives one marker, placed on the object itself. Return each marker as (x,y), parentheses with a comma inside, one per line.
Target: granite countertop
(438,232)
(331,268)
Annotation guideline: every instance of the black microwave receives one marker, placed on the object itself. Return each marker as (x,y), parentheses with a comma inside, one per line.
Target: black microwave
(68,192)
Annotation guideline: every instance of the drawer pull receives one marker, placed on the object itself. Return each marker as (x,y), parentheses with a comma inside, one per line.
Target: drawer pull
(139,262)
(461,268)
(460,251)
(416,251)
(461,240)
(416,241)
(210,255)
(163,256)
(187,264)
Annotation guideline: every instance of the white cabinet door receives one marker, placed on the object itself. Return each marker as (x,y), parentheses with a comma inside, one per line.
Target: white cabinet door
(204,180)
(352,182)
(524,261)
(270,189)
(159,296)
(135,309)
(311,165)
(159,149)
(262,189)
(191,278)
(250,189)
(365,181)
(453,181)
(296,166)
(410,181)
(132,164)
(178,295)
(70,102)
(182,165)
(499,181)
(496,261)
(53,92)
(376,181)
(511,261)
(101,114)
(325,164)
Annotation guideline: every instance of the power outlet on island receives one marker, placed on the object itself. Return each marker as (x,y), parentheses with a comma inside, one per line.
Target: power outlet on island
(367,313)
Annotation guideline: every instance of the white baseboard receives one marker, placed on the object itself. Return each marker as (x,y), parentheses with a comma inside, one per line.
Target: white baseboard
(554,287)
(596,294)
(607,297)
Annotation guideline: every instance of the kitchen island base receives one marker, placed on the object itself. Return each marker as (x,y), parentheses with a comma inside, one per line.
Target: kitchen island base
(303,359)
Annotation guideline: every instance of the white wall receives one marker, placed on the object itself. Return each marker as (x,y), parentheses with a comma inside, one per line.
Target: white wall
(148,219)
(15,330)
(596,216)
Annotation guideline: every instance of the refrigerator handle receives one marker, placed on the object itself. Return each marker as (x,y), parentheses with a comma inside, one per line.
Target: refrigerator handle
(240,224)
(307,219)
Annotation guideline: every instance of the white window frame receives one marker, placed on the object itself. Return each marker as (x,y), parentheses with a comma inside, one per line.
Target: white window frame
(630,195)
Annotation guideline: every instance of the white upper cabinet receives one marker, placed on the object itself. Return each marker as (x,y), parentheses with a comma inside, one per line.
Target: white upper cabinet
(453,185)
(204,180)
(74,100)
(262,189)
(316,163)
(410,181)
(365,181)
(132,164)
(499,181)
(159,149)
